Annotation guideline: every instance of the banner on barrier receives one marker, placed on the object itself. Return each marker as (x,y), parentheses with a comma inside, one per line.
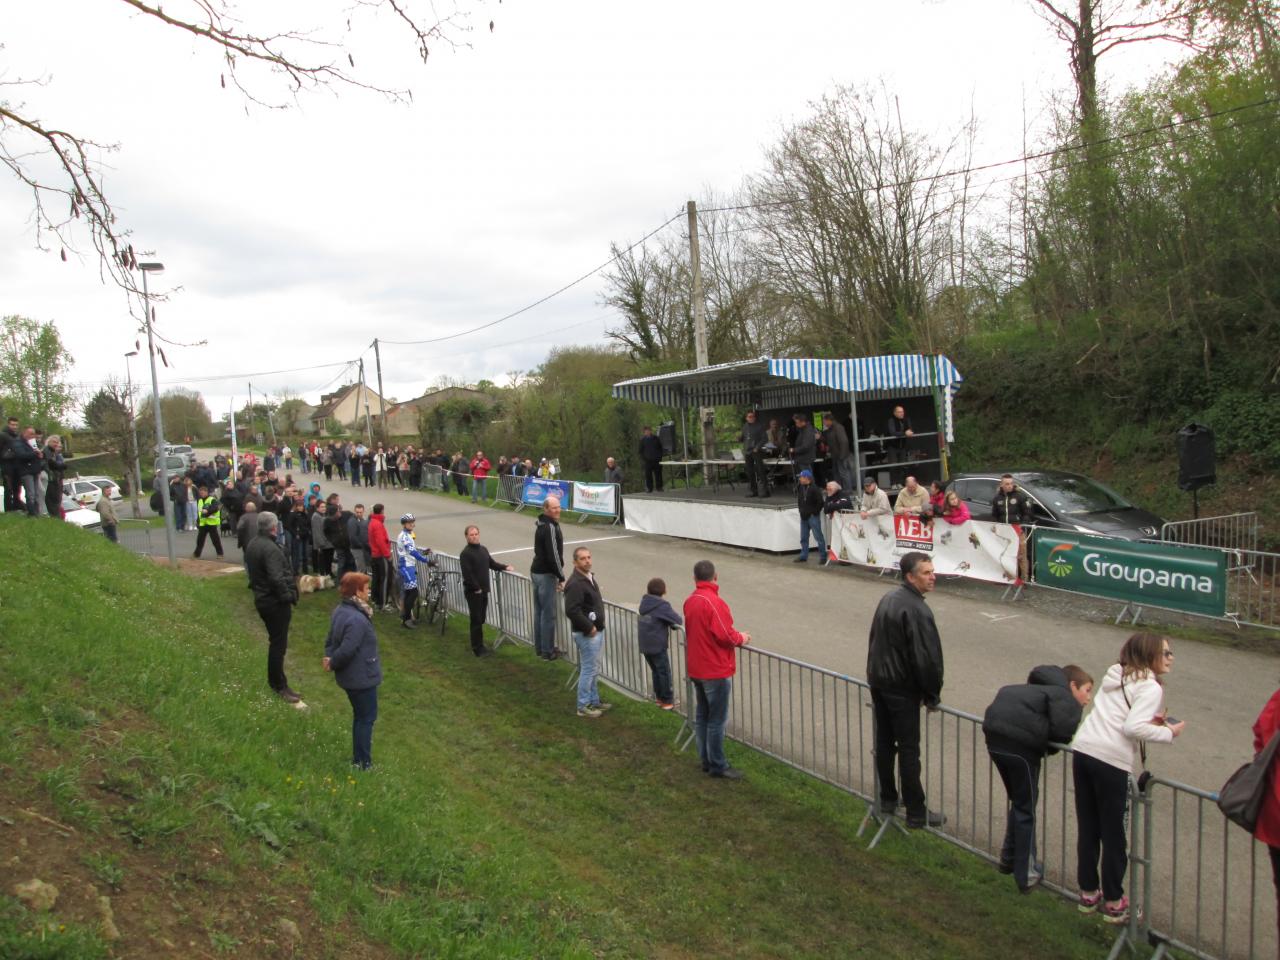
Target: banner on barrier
(597,498)
(1159,574)
(536,490)
(976,548)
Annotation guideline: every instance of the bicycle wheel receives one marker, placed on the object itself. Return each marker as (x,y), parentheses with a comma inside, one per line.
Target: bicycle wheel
(444,612)
(432,603)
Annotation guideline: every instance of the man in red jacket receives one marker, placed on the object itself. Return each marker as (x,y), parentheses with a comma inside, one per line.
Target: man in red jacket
(380,558)
(711,662)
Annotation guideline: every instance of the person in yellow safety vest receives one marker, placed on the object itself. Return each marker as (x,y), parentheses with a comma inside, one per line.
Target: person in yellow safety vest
(209,512)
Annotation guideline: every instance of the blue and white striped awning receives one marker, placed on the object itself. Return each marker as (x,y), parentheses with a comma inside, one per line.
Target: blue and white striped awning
(769,382)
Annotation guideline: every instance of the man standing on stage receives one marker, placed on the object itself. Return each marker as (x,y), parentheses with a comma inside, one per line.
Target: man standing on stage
(651,457)
(711,661)
(804,449)
(754,437)
(838,450)
(904,670)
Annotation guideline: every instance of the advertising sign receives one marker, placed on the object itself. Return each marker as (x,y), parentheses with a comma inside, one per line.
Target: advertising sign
(597,498)
(536,490)
(976,548)
(1153,574)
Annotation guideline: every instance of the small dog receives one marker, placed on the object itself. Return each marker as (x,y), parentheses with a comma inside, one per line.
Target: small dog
(309,583)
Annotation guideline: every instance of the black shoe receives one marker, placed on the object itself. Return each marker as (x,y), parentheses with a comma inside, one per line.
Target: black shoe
(889,807)
(483,652)
(553,655)
(728,773)
(1005,868)
(753,494)
(800,560)
(705,768)
(288,696)
(824,561)
(931,819)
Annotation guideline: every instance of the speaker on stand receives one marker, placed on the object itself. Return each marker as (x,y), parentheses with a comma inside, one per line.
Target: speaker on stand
(667,437)
(1197,461)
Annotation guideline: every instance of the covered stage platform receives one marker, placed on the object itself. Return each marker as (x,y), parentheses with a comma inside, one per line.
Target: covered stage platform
(860,393)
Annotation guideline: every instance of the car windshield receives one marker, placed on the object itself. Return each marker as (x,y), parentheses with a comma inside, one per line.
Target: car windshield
(69,504)
(1078,495)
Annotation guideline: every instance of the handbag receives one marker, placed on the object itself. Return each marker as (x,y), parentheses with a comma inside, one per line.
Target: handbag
(1240,798)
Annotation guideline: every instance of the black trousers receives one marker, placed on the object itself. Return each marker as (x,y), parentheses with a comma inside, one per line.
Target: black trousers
(208,531)
(1102,808)
(276,617)
(408,600)
(652,475)
(757,475)
(1021,776)
(478,607)
(897,717)
(324,561)
(381,569)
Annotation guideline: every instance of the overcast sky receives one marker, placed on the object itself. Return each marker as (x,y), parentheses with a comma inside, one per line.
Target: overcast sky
(295,237)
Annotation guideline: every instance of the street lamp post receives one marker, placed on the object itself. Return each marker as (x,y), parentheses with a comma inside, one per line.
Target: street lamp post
(167,506)
(136,483)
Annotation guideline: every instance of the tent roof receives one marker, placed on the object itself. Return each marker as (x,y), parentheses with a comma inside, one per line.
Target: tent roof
(777,382)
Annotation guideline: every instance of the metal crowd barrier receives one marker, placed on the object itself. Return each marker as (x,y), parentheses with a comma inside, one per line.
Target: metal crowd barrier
(1232,531)
(1197,883)
(135,534)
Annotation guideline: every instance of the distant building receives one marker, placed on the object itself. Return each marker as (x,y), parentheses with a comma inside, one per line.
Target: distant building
(402,418)
(342,412)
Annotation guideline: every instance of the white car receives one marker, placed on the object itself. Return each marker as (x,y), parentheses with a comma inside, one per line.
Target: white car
(82,518)
(86,491)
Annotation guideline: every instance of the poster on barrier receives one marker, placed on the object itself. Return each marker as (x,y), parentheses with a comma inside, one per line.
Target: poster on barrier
(976,548)
(536,490)
(600,499)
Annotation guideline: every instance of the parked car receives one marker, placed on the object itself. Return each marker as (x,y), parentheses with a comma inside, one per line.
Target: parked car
(182,450)
(86,491)
(176,465)
(82,518)
(1062,501)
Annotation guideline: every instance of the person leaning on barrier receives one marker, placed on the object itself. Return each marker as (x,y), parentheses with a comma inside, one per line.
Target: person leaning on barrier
(874,501)
(904,671)
(584,609)
(1109,747)
(836,499)
(110,522)
(754,439)
(809,505)
(1267,828)
(711,660)
(653,633)
(547,573)
(1012,505)
(612,472)
(476,563)
(1020,726)
(407,558)
(274,594)
(913,500)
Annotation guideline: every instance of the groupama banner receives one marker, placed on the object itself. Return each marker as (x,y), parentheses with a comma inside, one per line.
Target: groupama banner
(1151,574)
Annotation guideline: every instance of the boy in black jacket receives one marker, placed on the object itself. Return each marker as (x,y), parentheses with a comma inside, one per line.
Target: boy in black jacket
(1019,726)
(656,620)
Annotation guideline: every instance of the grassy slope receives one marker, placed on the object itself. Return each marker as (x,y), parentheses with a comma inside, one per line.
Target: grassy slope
(496,824)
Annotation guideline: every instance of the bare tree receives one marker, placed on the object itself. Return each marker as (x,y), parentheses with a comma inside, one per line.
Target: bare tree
(62,168)
(650,286)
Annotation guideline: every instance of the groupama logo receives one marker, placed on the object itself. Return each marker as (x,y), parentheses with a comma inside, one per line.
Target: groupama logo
(1059,563)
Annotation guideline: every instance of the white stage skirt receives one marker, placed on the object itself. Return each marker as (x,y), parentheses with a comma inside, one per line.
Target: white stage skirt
(739,526)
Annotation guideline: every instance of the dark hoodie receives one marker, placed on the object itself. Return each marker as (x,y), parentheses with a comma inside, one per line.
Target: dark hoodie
(1025,718)
(657,617)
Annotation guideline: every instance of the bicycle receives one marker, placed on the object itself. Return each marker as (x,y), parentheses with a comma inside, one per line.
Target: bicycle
(432,598)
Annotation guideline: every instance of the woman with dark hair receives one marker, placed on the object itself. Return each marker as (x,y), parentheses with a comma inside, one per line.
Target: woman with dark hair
(1110,746)
(351,653)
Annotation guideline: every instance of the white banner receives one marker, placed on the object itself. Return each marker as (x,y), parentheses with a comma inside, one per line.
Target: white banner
(976,548)
(597,498)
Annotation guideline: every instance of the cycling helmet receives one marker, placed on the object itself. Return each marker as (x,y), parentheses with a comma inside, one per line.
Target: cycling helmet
(407,518)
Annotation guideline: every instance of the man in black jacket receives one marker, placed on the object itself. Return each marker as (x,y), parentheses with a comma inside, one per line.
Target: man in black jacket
(9,465)
(809,503)
(904,670)
(804,448)
(547,573)
(335,531)
(274,594)
(1011,505)
(476,563)
(358,538)
(754,437)
(584,606)
(1020,726)
(651,457)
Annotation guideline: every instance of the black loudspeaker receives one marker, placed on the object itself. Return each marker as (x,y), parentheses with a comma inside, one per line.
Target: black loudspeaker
(667,437)
(1197,462)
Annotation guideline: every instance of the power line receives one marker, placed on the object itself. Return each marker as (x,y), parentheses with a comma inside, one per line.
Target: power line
(538,303)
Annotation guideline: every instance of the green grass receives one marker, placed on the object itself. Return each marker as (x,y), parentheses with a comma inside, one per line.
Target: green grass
(496,824)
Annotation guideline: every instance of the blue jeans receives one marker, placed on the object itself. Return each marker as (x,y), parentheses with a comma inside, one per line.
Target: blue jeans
(589,667)
(709,721)
(479,489)
(31,492)
(813,524)
(364,711)
(544,613)
(660,664)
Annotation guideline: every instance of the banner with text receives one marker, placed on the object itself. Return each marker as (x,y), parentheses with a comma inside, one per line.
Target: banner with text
(600,499)
(1154,574)
(536,490)
(975,548)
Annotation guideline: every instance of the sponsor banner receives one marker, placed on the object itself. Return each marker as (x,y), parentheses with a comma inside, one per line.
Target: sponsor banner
(976,548)
(536,490)
(1147,574)
(596,498)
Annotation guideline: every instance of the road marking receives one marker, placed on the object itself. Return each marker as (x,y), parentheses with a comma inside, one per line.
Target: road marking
(567,543)
(996,617)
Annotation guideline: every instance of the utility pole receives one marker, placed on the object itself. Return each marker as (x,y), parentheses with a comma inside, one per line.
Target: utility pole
(253,436)
(706,415)
(368,425)
(382,403)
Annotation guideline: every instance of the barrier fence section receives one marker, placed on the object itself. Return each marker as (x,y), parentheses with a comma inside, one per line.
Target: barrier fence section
(1232,531)
(135,534)
(1202,884)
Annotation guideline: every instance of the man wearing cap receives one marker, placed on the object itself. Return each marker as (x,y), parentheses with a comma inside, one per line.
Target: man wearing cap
(874,502)
(809,502)
(407,557)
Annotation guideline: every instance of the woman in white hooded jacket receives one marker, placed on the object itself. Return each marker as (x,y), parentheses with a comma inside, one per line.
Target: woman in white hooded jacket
(1109,747)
